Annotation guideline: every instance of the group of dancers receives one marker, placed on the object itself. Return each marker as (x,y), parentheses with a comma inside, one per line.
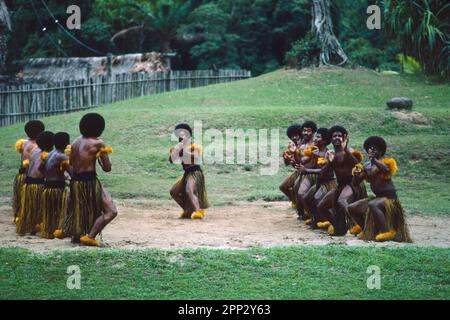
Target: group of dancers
(42,203)
(57,193)
(327,186)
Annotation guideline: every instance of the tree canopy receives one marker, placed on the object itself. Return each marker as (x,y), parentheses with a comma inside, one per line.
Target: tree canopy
(259,35)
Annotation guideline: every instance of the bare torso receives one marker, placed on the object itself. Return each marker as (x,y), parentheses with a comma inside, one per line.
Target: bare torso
(35,170)
(378,184)
(83,155)
(53,170)
(306,161)
(28,147)
(342,164)
(188,157)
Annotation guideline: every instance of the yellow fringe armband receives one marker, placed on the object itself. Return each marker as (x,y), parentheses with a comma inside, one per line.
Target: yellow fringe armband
(358,155)
(107,150)
(392,164)
(309,151)
(19,145)
(26,163)
(358,166)
(64,164)
(68,150)
(44,155)
(321,161)
(198,148)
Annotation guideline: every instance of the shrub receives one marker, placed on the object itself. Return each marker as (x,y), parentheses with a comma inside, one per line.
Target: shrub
(304,52)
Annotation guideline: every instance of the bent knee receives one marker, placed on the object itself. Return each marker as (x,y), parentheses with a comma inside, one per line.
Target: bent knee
(173,193)
(373,204)
(109,216)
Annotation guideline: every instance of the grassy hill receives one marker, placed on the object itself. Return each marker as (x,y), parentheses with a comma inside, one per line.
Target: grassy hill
(139,131)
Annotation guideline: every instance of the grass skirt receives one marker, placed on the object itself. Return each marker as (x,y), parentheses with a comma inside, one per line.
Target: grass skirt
(327,186)
(291,182)
(86,205)
(395,219)
(54,210)
(312,177)
(200,190)
(19,182)
(30,208)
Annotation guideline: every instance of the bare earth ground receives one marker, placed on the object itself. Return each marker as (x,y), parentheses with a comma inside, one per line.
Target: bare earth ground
(243,225)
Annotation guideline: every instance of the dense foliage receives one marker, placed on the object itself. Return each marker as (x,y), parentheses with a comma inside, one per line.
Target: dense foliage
(259,35)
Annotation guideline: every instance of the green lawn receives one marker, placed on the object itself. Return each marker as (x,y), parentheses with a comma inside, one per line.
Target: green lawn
(324,272)
(139,131)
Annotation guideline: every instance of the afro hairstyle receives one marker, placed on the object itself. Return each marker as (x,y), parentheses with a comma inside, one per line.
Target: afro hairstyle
(310,124)
(62,139)
(325,133)
(183,126)
(293,130)
(45,141)
(377,142)
(337,129)
(92,125)
(33,128)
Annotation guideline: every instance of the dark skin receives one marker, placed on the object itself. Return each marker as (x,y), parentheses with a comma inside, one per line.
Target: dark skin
(183,151)
(305,163)
(83,159)
(52,166)
(28,147)
(36,168)
(288,158)
(372,172)
(341,161)
(311,197)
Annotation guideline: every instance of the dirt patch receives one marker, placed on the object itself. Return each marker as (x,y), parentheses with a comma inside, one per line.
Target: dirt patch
(412,117)
(244,225)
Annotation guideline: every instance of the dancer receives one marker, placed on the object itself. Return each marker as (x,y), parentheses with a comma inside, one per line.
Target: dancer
(385,220)
(306,179)
(294,133)
(30,216)
(334,205)
(318,155)
(25,146)
(91,206)
(189,191)
(55,195)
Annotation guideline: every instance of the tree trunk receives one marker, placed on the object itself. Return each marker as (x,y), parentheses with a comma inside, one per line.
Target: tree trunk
(5,31)
(331,52)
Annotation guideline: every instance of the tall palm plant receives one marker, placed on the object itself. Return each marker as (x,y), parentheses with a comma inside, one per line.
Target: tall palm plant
(422,27)
(162,18)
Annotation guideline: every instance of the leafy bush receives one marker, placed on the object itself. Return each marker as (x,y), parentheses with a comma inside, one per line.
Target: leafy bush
(304,52)
(361,52)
